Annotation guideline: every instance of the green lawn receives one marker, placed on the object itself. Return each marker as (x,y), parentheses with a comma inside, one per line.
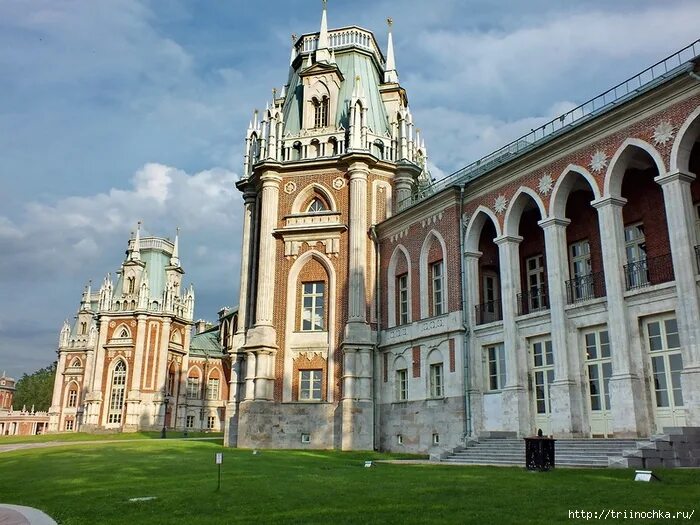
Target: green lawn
(93,485)
(83,436)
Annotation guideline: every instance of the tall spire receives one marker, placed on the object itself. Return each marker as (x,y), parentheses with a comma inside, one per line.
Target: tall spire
(175,259)
(85,303)
(390,74)
(136,251)
(322,53)
(294,50)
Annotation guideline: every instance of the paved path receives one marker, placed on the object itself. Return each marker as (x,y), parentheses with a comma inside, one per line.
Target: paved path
(43,444)
(19,515)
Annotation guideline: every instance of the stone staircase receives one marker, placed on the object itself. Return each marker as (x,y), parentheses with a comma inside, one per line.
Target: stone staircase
(568,452)
(676,447)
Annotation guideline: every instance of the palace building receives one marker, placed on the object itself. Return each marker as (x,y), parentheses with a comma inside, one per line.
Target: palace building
(130,361)
(551,285)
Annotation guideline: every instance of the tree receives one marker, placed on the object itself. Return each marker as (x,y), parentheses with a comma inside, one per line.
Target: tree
(35,389)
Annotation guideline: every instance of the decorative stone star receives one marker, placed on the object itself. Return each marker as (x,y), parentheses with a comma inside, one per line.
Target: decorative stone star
(663,132)
(545,184)
(290,188)
(599,160)
(338,183)
(500,204)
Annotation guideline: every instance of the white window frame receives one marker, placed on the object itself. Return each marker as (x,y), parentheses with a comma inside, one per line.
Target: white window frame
(437,276)
(211,422)
(495,367)
(311,385)
(189,421)
(535,292)
(402,286)
(193,387)
(117,394)
(401,384)
(68,425)
(437,377)
(315,291)
(213,388)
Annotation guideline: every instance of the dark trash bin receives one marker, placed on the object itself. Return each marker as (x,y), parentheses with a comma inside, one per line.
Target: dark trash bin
(539,453)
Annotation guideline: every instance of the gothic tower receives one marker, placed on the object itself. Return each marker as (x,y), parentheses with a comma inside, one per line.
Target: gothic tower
(334,153)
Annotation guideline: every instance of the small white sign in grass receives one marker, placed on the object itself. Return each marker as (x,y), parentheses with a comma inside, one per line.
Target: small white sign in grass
(143,498)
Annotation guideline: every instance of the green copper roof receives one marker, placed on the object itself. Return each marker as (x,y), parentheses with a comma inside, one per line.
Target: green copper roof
(156,262)
(206,344)
(352,63)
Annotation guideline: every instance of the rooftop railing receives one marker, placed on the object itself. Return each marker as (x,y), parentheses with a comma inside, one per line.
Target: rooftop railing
(341,38)
(647,79)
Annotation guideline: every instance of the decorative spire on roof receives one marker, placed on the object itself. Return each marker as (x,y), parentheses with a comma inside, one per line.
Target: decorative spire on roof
(175,258)
(322,53)
(85,303)
(294,49)
(390,74)
(136,251)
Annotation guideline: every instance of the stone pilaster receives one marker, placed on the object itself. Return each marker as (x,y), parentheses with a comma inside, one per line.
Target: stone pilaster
(680,218)
(234,392)
(56,401)
(243,294)
(630,418)
(515,399)
(133,399)
(565,393)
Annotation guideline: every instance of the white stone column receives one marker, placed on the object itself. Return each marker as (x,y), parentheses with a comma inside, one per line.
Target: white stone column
(565,392)
(134,394)
(627,394)
(243,293)
(56,401)
(471,268)
(357,296)
(268,249)
(515,398)
(680,219)
(250,376)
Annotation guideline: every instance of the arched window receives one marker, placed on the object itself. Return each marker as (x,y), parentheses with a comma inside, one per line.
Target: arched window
(193,391)
(213,386)
(131,281)
(76,363)
(316,206)
(296,151)
(72,396)
(83,328)
(320,112)
(171,380)
(116,398)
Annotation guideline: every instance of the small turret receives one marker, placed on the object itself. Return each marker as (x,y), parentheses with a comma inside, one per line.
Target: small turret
(322,53)
(390,74)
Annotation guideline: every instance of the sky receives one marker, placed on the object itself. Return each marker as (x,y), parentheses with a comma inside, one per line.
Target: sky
(117,111)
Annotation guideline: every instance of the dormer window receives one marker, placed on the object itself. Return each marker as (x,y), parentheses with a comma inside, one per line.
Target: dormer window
(316,206)
(320,112)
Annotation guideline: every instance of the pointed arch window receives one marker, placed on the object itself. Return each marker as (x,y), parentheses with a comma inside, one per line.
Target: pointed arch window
(321,112)
(116,398)
(131,282)
(317,206)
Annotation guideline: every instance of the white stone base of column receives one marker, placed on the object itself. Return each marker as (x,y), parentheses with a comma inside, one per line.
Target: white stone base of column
(476,400)
(565,409)
(627,400)
(690,383)
(357,425)
(261,335)
(231,425)
(516,411)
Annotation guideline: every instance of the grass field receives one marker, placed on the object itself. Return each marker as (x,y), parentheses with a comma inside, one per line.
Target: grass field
(108,436)
(93,485)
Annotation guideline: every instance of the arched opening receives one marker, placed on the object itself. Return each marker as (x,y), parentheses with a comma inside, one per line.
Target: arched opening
(72,395)
(522,220)
(378,149)
(312,306)
(314,149)
(117,393)
(213,386)
(317,205)
(399,288)
(572,197)
(647,249)
(691,158)
(332,146)
(296,151)
(433,277)
(172,379)
(193,383)
(488,308)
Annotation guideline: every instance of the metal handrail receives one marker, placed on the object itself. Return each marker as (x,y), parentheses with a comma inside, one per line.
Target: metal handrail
(651,76)
(585,287)
(536,299)
(646,272)
(488,312)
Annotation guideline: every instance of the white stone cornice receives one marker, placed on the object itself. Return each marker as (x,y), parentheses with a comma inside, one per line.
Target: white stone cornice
(676,175)
(553,221)
(503,239)
(609,201)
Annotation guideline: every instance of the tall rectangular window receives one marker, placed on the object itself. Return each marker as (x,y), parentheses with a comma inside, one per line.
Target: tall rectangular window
(636,251)
(436,387)
(190,422)
(69,424)
(193,387)
(213,388)
(496,357)
(436,274)
(72,398)
(402,385)
(211,421)
(402,286)
(313,307)
(310,385)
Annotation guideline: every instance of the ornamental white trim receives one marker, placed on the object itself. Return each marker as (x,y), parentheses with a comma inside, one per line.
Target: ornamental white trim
(599,160)
(290,188)
(499,205)
(545,184)
(338,183)
(663,132)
